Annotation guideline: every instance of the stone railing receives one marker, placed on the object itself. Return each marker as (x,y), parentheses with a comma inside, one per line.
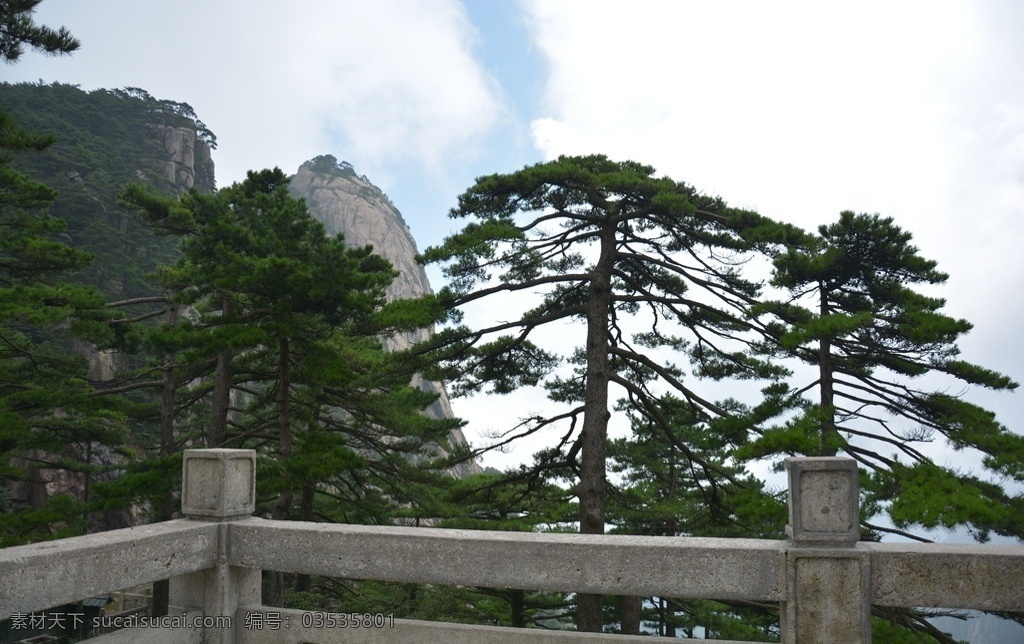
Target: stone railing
(824,580)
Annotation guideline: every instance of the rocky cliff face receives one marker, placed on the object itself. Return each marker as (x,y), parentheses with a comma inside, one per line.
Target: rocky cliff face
(350,205)
(188,165)
(189,161)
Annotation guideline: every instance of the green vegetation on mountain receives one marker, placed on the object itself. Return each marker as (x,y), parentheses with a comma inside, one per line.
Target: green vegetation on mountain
(102,140)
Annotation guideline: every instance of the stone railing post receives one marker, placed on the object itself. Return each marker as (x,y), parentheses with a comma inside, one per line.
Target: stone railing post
(218,485)
(829,581)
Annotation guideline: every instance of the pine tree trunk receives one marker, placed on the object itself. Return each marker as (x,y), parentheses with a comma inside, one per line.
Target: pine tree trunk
(518,609)
(589,617)
(284,429)
(221,397)
(165,507)
(284,498)
(630,617)
(304,582)
(828,425)
(167,446)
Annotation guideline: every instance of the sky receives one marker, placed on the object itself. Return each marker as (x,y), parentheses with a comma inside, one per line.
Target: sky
(799,110)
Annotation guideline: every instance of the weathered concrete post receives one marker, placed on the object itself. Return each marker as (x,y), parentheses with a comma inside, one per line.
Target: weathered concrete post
(218,485)
(829,581)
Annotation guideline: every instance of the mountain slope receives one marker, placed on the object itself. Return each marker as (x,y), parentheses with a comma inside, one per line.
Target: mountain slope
(348,204)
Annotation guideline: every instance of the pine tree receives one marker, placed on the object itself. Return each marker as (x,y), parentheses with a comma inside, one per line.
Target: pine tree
(878,347)
(50,419)
(17,29)
(283,338)
(604,242)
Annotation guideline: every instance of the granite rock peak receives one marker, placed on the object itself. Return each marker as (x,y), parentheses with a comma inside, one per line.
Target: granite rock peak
(349,204)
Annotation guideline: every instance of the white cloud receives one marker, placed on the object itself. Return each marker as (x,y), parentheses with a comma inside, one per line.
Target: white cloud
(803,109)
(402,82)
(757,101)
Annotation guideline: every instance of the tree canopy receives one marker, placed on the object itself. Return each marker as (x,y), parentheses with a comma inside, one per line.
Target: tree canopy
(886,359)
(283,342)
(607,243)
(18,30)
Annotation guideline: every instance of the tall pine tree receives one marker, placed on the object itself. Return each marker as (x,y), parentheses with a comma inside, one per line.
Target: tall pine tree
(602,242)
(885,360)
(281,339)
(52,426)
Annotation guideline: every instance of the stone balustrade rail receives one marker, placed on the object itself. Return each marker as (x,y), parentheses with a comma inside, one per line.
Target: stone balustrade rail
(823,578)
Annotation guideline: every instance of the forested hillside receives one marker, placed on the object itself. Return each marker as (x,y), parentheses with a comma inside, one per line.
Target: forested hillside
(104,139)
(70,253)
(171,341)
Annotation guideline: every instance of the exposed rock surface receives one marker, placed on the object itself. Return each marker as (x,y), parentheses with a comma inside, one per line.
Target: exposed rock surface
(350,205)
(189,163)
